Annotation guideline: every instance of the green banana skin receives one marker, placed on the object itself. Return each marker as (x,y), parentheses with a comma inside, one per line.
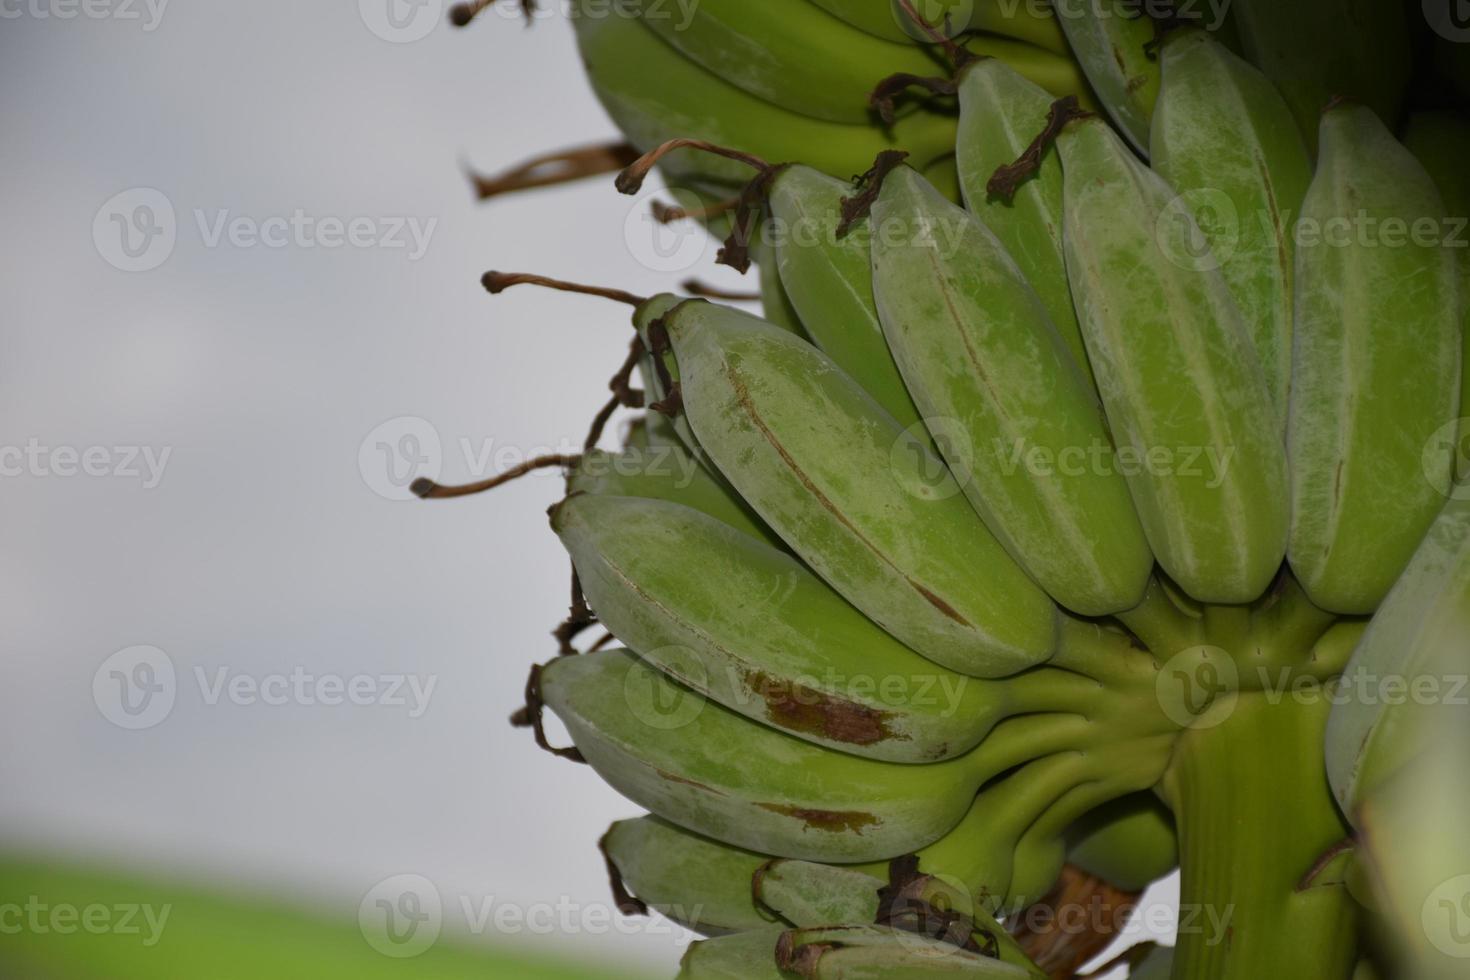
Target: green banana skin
(1441,142)
(769,409)
(700,883)
(747,625)
(830,282)
(881,953)
(1319,50)
(996,382)
(1112,47)
(665,472)
(655,94)
(1418,635)
(1177,373)
(1224,135)
(808,895)
(1129,843)
(1157,964)
(1000,114)
(776,305)
(743,956)
(715,772)
(884,18)
(1377,367)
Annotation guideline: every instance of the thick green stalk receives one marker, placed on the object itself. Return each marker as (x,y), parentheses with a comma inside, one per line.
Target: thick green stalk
(1255,815)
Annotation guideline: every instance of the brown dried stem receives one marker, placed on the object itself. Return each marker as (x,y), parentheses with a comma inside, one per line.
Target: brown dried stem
(551,169)
(1008,178)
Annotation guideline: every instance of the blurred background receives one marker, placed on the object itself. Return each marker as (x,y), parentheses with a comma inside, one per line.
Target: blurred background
(253,692)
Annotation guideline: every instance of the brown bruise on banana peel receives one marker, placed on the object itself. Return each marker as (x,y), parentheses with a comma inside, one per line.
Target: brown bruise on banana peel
(798,708)
(830,821)
(667,776)
(742,396)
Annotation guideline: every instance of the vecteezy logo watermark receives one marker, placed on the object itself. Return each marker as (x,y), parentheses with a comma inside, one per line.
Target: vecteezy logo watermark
(401,916)
(1446,917)
(659,702)
(1446,459)
(663,245)
(401,21)
(135,688)
(398,452)
(1198,687)
(1198,230)
(1211,464)
(136,230)
(1450,19)
(149,12)
(40,918)
(143,463)
(948,18)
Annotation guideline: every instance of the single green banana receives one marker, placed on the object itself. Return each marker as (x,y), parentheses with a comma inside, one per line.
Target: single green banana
(830,281)
(881,953)
(807,894)
(749,626)
(1010,409)
(665,472)
(1441,142)
(776,304)
(1029,22)
(719,774)
(743,956)
(1319,50)
(1184,391)
(1129,843)
(1376,376)
(1416,641)
(1226,141)
(1112,40)
(1000,114)
(699,883)
(654,94)
(803,443)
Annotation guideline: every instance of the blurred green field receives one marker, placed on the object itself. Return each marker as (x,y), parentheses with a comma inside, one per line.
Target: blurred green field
(67,923)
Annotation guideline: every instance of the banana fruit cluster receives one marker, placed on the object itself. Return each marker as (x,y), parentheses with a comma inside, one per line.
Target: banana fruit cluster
(1166,395)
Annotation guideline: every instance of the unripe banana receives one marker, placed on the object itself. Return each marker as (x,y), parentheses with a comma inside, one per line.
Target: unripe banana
(998,386)
(1000,114)
(1130,843)
(1226,141)
(830,281)
(665,472)
(1376,374)
(1183,388)
(765,47)
(808,894)
(1155,964)
(699,883)
(1028,22)
(747,625)
(721,775)
(882,953)
(1418,638)
(655,94)
(743,956)
(858,498)
(776,305)
(1112,39)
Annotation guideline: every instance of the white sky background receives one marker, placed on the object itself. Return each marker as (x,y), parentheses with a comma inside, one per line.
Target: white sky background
(261,371)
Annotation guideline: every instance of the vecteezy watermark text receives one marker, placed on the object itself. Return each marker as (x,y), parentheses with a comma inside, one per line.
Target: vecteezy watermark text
(145,463)
(40,918)
(148,12)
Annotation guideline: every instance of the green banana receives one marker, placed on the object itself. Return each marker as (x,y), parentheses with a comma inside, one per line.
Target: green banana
(747,625)
(743,956)
(881,953)
(1225,140)
(1183,388)
(1376,377)
(801,442)
(655,94)
(665,472)
(1441,142)
(717,773)
(1157,963)
(776,305)
(1111,39)
(700,883)
(1032,23)
(830,281)
(1416,640)
(1319,50)
(1000,114)
(1129,843)
(807,894)
(998,386)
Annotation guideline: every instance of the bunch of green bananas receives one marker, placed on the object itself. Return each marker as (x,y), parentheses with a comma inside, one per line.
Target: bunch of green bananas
(1016,518)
